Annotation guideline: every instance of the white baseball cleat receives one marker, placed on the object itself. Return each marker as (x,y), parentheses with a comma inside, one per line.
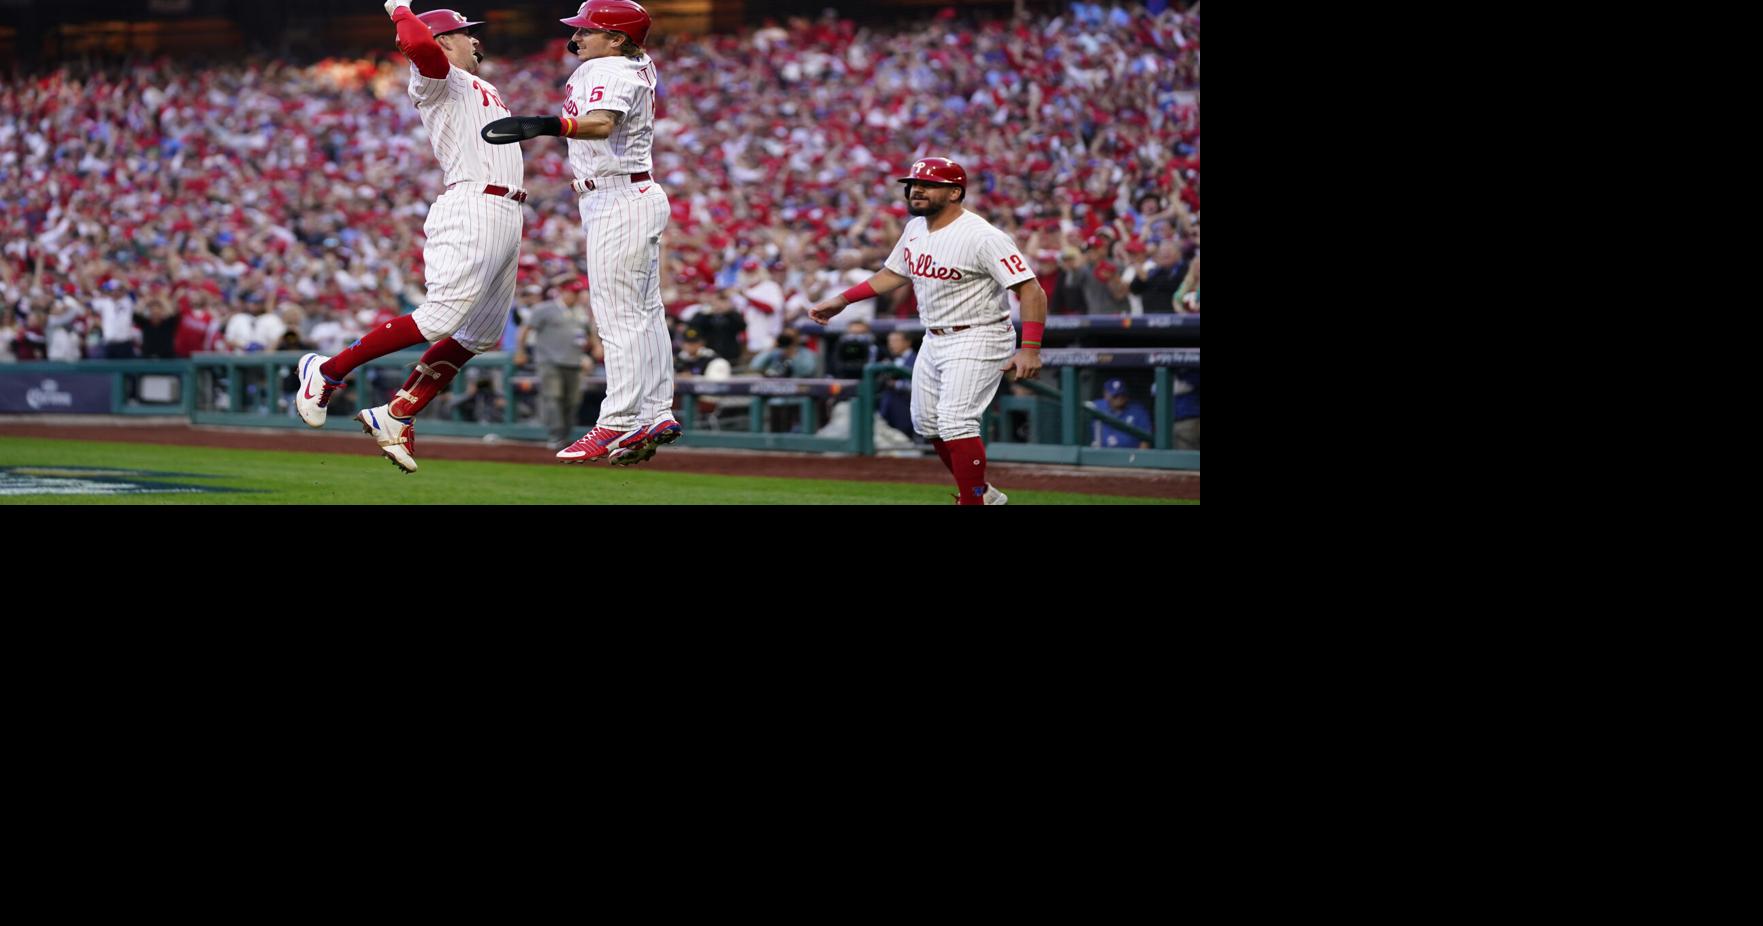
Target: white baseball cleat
(995,497)
(397,438)
(315,390)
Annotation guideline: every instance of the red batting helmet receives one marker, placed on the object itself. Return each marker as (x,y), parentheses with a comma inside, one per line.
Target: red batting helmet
(624,16)
(441,22)
(938,170)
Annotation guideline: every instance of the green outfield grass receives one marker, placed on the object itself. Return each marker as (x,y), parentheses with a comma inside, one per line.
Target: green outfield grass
(279,478)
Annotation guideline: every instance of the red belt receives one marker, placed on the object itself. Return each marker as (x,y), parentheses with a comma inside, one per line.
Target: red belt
(583,186)
(502,191)
(941,331)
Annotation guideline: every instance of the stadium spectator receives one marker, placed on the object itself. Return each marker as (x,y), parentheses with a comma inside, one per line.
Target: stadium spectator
(67,333)
(159,328)
(557,330)
(1105,293)
(1187,298)
(1186,391)
(693,357)
(788,359)
(1117,402)
(32,340)
(1161,277)
(482,404)
(894,393)
(116,316)
(721,326)
(253,328)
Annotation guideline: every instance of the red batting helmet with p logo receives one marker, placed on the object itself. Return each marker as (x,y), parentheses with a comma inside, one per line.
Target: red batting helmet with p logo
(624,16)
(938,170)
(441,22)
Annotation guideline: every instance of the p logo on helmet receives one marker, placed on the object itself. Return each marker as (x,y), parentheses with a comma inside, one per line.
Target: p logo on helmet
(626,16)
(441,22)
(938,170)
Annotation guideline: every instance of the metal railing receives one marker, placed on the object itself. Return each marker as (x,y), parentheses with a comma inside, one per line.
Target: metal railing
(256,390)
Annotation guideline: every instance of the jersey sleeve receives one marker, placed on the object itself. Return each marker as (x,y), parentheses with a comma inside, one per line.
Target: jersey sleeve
(601,88)
(426,90)
(1004,261)
(897,261)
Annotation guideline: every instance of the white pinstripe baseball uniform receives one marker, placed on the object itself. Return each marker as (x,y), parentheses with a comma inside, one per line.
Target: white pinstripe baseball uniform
(961,274)
(622,222)
(473,249)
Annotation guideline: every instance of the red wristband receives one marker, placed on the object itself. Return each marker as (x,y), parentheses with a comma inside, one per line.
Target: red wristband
(568,127)
(1032,332)
(859,292)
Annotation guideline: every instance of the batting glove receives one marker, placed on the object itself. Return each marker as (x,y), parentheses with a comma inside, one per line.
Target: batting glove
(393,5)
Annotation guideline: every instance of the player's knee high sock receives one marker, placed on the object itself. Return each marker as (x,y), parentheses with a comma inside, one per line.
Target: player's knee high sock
(942,448)
(967,460)
(439,364)
(395,335)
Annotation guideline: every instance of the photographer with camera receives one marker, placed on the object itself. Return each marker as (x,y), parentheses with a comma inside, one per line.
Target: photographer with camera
(856,349)
(787,359)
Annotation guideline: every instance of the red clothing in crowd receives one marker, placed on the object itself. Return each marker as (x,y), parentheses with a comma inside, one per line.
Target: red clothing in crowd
(197,331)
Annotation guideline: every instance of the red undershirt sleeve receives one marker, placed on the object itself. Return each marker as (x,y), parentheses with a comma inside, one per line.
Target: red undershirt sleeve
(418,44)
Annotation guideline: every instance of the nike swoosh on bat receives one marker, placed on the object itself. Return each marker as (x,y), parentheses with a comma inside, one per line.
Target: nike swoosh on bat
(502,135)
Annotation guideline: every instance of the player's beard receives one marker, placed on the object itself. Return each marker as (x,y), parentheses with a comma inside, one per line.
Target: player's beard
(928,210)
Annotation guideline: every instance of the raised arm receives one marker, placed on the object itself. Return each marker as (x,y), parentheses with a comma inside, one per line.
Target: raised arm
(417,42)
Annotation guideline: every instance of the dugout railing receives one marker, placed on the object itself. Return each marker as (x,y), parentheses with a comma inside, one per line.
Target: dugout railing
(256,390)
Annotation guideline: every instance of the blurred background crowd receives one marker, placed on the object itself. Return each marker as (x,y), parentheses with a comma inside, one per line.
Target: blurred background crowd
(153,208)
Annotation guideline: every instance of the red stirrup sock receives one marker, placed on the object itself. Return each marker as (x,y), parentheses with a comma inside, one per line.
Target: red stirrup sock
(942,448)
(393,336)
(968,463)
(439,364)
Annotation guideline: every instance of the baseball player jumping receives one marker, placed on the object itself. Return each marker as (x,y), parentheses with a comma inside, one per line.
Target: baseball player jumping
(959,266)
(609,120)
(473,247)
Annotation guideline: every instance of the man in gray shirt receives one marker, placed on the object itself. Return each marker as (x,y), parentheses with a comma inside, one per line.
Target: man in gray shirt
(1105,293)
(558,329)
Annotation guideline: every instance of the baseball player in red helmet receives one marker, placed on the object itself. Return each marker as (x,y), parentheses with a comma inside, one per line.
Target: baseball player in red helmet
(959,266)
(608,117)
(473,247)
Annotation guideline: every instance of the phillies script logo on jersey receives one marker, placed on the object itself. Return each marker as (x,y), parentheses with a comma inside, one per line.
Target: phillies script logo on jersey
(925,267)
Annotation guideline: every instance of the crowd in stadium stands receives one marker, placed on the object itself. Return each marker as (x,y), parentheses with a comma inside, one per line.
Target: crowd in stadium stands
(154,209)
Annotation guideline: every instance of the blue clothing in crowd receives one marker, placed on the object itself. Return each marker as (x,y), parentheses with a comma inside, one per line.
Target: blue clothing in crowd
(1105,435)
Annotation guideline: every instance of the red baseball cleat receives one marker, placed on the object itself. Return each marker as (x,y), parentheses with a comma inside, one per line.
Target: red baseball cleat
(665,431)
(603,444)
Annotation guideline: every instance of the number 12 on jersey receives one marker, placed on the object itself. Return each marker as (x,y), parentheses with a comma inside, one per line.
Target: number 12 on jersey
(1013,259)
